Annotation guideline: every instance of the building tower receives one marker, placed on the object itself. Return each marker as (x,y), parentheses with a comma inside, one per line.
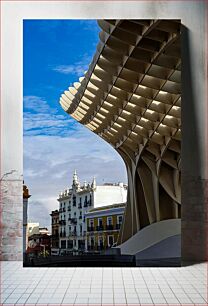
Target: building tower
(93,185)
(75,183)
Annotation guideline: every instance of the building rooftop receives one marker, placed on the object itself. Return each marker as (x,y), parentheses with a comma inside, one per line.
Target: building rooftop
(86,187)
(107,207)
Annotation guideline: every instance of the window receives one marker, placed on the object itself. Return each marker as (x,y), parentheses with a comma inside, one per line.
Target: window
(109,221)
(80,200)
(80,228)
(100,221)
(110,240)
(100,241)
(70,244)
(119,219)
(85,201)
(74,201)
(63,244)
(69,228)
(91,222)
(92,241)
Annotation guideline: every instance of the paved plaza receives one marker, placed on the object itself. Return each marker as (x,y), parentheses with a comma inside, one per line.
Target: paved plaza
(103,286)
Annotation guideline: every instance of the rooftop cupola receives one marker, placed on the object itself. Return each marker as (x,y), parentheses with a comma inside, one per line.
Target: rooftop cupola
(93,185)
(85,185)
(75,180)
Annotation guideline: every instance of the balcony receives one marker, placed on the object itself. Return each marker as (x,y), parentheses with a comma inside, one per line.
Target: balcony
(80,205)
(89,203)
(85,204)
(62,234)
(90,228)
(62,222)
(99,228)
(72,233)
(54,236)
(100,247)
(90,247)
(118,226)
(109,227)
(74,220)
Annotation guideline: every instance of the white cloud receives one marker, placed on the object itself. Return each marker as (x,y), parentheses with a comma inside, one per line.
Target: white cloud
(33,121)
(78,68)
(40,118)
(37,104)
(71,69)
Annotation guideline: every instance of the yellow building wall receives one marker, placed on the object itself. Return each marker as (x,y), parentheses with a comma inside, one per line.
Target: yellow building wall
(104,233)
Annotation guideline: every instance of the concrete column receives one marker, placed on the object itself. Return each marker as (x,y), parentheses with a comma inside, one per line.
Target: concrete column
(194,135)
(11,216)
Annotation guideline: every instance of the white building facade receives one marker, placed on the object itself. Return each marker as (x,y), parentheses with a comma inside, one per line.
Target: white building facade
(75,202)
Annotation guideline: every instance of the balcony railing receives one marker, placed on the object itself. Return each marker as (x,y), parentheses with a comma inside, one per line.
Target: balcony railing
(62,234)
(118,226)
(54,236)
(74,220)
(72,233)
(90,228)
(99,228)
(109,227)
(100,247)
(62,222)
(90,247)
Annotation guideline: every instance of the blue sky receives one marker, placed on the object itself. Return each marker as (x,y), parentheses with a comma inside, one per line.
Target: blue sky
(55,54)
